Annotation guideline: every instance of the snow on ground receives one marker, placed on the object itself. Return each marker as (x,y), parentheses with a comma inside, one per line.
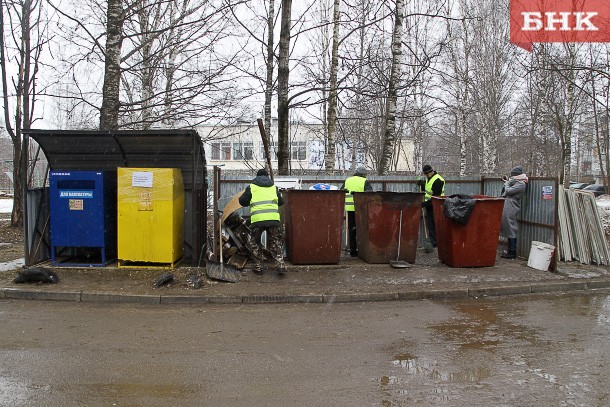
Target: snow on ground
(6,205)
(12,265)
(603,201)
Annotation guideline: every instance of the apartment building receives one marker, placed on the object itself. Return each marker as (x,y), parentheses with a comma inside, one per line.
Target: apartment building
(240,148)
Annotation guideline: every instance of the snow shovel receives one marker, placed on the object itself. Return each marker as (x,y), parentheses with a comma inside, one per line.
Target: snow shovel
(428,246)
(219,270)
(399,264)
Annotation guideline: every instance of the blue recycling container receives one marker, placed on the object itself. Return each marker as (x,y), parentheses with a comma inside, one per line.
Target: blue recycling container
(83,217)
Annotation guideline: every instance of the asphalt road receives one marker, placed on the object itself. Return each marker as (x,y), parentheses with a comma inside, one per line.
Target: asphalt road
(515,351)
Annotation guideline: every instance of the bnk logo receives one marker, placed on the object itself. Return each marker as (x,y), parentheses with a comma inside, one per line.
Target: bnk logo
(559,21)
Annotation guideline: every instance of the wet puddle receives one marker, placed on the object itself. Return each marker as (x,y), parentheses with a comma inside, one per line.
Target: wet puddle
(13,392)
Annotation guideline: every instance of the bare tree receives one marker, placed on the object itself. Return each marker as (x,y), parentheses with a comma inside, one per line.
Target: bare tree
(562,97)
(395,71)
(270,60)
(171,63)
(27,42)
(282,79)
(109,111)
(492,84)
(332,96)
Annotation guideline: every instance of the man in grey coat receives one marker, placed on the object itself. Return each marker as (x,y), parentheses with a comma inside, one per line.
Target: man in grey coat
(513,191)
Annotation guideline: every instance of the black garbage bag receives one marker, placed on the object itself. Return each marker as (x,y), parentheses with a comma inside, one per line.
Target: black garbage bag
(458,208)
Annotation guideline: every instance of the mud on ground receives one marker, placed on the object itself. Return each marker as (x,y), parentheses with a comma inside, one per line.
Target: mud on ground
(11,241)
(112,279)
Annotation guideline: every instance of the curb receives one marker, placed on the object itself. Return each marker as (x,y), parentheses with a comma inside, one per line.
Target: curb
(491,290)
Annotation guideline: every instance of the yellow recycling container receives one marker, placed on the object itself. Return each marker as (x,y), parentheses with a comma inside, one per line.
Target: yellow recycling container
(150,216)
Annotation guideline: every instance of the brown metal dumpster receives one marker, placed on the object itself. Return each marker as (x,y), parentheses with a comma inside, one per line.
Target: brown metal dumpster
(474,244)
(313,220)
(378,225)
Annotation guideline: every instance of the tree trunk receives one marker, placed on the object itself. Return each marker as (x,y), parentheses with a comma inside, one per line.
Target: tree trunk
(390,120)
(461,128)
(269,78)
(109,113)
(19,180)
(23,83)
(357,138)
(147,70)
(332,96)
(282,78)
(598,141)
(567,136)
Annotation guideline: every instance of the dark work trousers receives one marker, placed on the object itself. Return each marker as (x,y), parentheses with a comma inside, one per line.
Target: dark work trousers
(351,227)
(429,217)
(275,241)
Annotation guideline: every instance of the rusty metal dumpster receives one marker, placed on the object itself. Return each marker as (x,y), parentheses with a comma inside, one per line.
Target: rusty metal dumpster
(313,220)
(474,244)
(379,228)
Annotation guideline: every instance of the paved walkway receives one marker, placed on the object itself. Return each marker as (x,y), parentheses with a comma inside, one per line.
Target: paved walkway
(352,280)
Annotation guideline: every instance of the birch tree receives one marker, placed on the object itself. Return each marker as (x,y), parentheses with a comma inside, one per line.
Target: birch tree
(282,105)
(389,138)
(492,79)
(562,97)
(270,63)
(170,62)
(109,111)
(332,94)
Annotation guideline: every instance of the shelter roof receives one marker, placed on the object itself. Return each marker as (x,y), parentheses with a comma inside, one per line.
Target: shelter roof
(92,150)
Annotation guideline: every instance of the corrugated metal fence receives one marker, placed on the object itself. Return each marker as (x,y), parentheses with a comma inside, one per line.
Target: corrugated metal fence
(538,220)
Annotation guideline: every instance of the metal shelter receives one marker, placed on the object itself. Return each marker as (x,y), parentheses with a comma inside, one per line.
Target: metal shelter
(77,150)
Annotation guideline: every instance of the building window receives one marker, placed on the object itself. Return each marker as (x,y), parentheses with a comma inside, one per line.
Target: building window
(243,151)
(272,151)
(226,151)
(237,151)
(248,151)
(215,151)
(297,150)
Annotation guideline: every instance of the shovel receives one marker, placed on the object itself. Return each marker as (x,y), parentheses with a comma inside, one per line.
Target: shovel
(399,264)
(219,270)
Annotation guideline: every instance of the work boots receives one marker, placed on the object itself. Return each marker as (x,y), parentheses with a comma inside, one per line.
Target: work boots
(511,253)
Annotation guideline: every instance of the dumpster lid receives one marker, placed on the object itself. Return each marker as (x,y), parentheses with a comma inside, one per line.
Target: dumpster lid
(90,150)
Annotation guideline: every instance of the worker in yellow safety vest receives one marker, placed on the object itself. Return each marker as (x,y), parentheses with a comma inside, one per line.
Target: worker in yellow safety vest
(355,183)
(264,200)
(433,185)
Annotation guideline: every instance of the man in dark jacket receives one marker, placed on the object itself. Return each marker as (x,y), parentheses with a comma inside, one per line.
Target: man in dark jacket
(434,185)
(355,183)
(264,200)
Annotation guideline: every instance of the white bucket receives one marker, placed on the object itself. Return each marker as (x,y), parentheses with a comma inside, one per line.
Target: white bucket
(540,255)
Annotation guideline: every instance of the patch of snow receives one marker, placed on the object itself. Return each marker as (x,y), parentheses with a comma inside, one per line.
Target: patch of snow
(12,265)
(6,205)
(603,201)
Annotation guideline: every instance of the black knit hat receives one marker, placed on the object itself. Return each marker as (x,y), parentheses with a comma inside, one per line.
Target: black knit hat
(427,168)
(262,172)
(360,170)
(518,170)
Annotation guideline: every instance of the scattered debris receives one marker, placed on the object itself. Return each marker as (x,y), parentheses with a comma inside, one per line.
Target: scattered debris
(194,281)
(36,275)
(164,279)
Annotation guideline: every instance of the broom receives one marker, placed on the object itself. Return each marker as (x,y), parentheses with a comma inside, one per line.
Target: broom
(217,270)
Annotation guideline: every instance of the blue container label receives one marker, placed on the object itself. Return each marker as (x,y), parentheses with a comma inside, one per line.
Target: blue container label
(76,194)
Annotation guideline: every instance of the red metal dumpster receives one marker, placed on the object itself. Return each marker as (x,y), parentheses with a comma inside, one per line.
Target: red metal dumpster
(313,220)
(474,244)
(378,227)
